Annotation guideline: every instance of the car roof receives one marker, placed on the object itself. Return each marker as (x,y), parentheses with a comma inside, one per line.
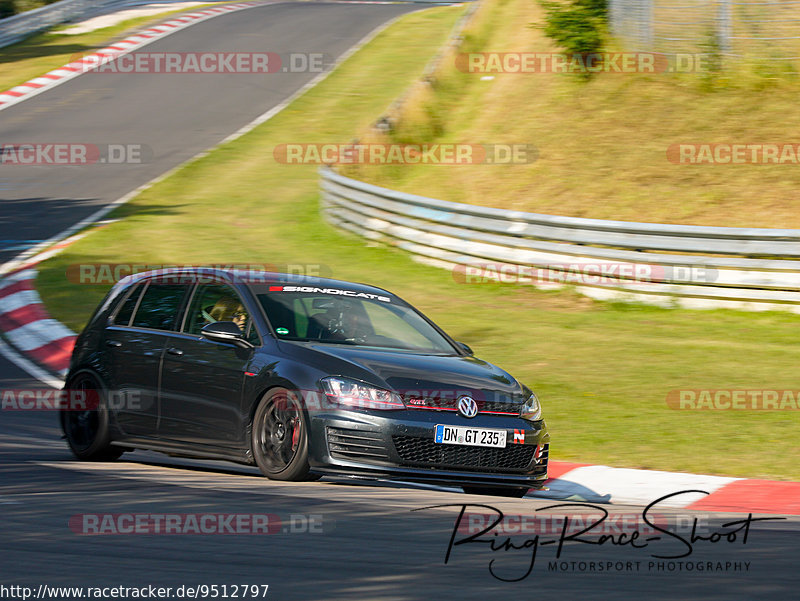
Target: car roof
(247,277)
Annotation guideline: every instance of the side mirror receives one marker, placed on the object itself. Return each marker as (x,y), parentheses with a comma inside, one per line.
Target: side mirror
(225,331)
(465,348)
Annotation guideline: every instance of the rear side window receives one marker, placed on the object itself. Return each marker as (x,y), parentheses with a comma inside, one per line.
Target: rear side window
(123,317)
(159,306)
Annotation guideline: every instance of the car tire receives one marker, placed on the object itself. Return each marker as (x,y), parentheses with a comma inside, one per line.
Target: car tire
(87,431)
(280,437)
(497,491)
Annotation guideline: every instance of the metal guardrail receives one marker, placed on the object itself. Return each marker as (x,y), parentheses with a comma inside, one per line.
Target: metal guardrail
(16,28)
(690,266)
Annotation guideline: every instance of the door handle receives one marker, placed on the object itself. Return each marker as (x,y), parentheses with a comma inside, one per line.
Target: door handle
(175,351)
(113,343)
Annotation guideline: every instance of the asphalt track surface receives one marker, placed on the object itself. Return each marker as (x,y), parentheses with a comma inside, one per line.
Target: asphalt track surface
(171,116)
(338,538)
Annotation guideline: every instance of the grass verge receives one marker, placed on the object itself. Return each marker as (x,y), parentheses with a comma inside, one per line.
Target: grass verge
(603,144)
(603,370)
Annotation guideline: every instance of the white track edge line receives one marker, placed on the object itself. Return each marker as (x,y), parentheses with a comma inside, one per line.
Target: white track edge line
(28,366)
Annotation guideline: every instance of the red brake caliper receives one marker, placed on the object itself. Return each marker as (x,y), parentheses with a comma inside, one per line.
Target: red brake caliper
(295,431)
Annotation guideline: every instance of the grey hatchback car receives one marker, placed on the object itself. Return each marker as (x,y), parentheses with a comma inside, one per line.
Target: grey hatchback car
(300,376)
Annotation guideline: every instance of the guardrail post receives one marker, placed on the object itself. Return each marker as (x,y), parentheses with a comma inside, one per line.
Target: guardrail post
(724,25)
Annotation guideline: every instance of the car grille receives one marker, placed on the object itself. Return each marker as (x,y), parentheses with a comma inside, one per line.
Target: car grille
(357,445)
(498,407)
(439,404)
(415,451)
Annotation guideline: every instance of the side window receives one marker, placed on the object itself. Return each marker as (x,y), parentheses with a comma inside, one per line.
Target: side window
(123,316)
(159,306)
(218,302)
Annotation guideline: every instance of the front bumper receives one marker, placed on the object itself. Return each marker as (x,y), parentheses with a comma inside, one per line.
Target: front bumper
(400,444)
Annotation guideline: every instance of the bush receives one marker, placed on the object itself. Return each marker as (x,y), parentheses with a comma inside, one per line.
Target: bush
(599,8)
(7,8)
(578,26)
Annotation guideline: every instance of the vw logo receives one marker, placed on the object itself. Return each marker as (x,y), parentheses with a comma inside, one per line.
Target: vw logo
(467,406)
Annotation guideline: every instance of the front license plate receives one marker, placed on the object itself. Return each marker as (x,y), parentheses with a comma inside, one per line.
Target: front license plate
(473,437)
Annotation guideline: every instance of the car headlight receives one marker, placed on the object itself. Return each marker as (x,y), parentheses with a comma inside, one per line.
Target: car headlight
(359,395)
(532,409)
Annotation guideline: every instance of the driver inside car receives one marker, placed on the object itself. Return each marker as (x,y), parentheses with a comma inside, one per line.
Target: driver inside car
(341,321)
(354,326)
(228,308)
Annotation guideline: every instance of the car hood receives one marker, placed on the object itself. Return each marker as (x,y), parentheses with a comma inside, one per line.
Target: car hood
(413,374)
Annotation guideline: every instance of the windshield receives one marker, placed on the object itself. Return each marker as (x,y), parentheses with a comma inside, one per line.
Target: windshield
(349,317)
